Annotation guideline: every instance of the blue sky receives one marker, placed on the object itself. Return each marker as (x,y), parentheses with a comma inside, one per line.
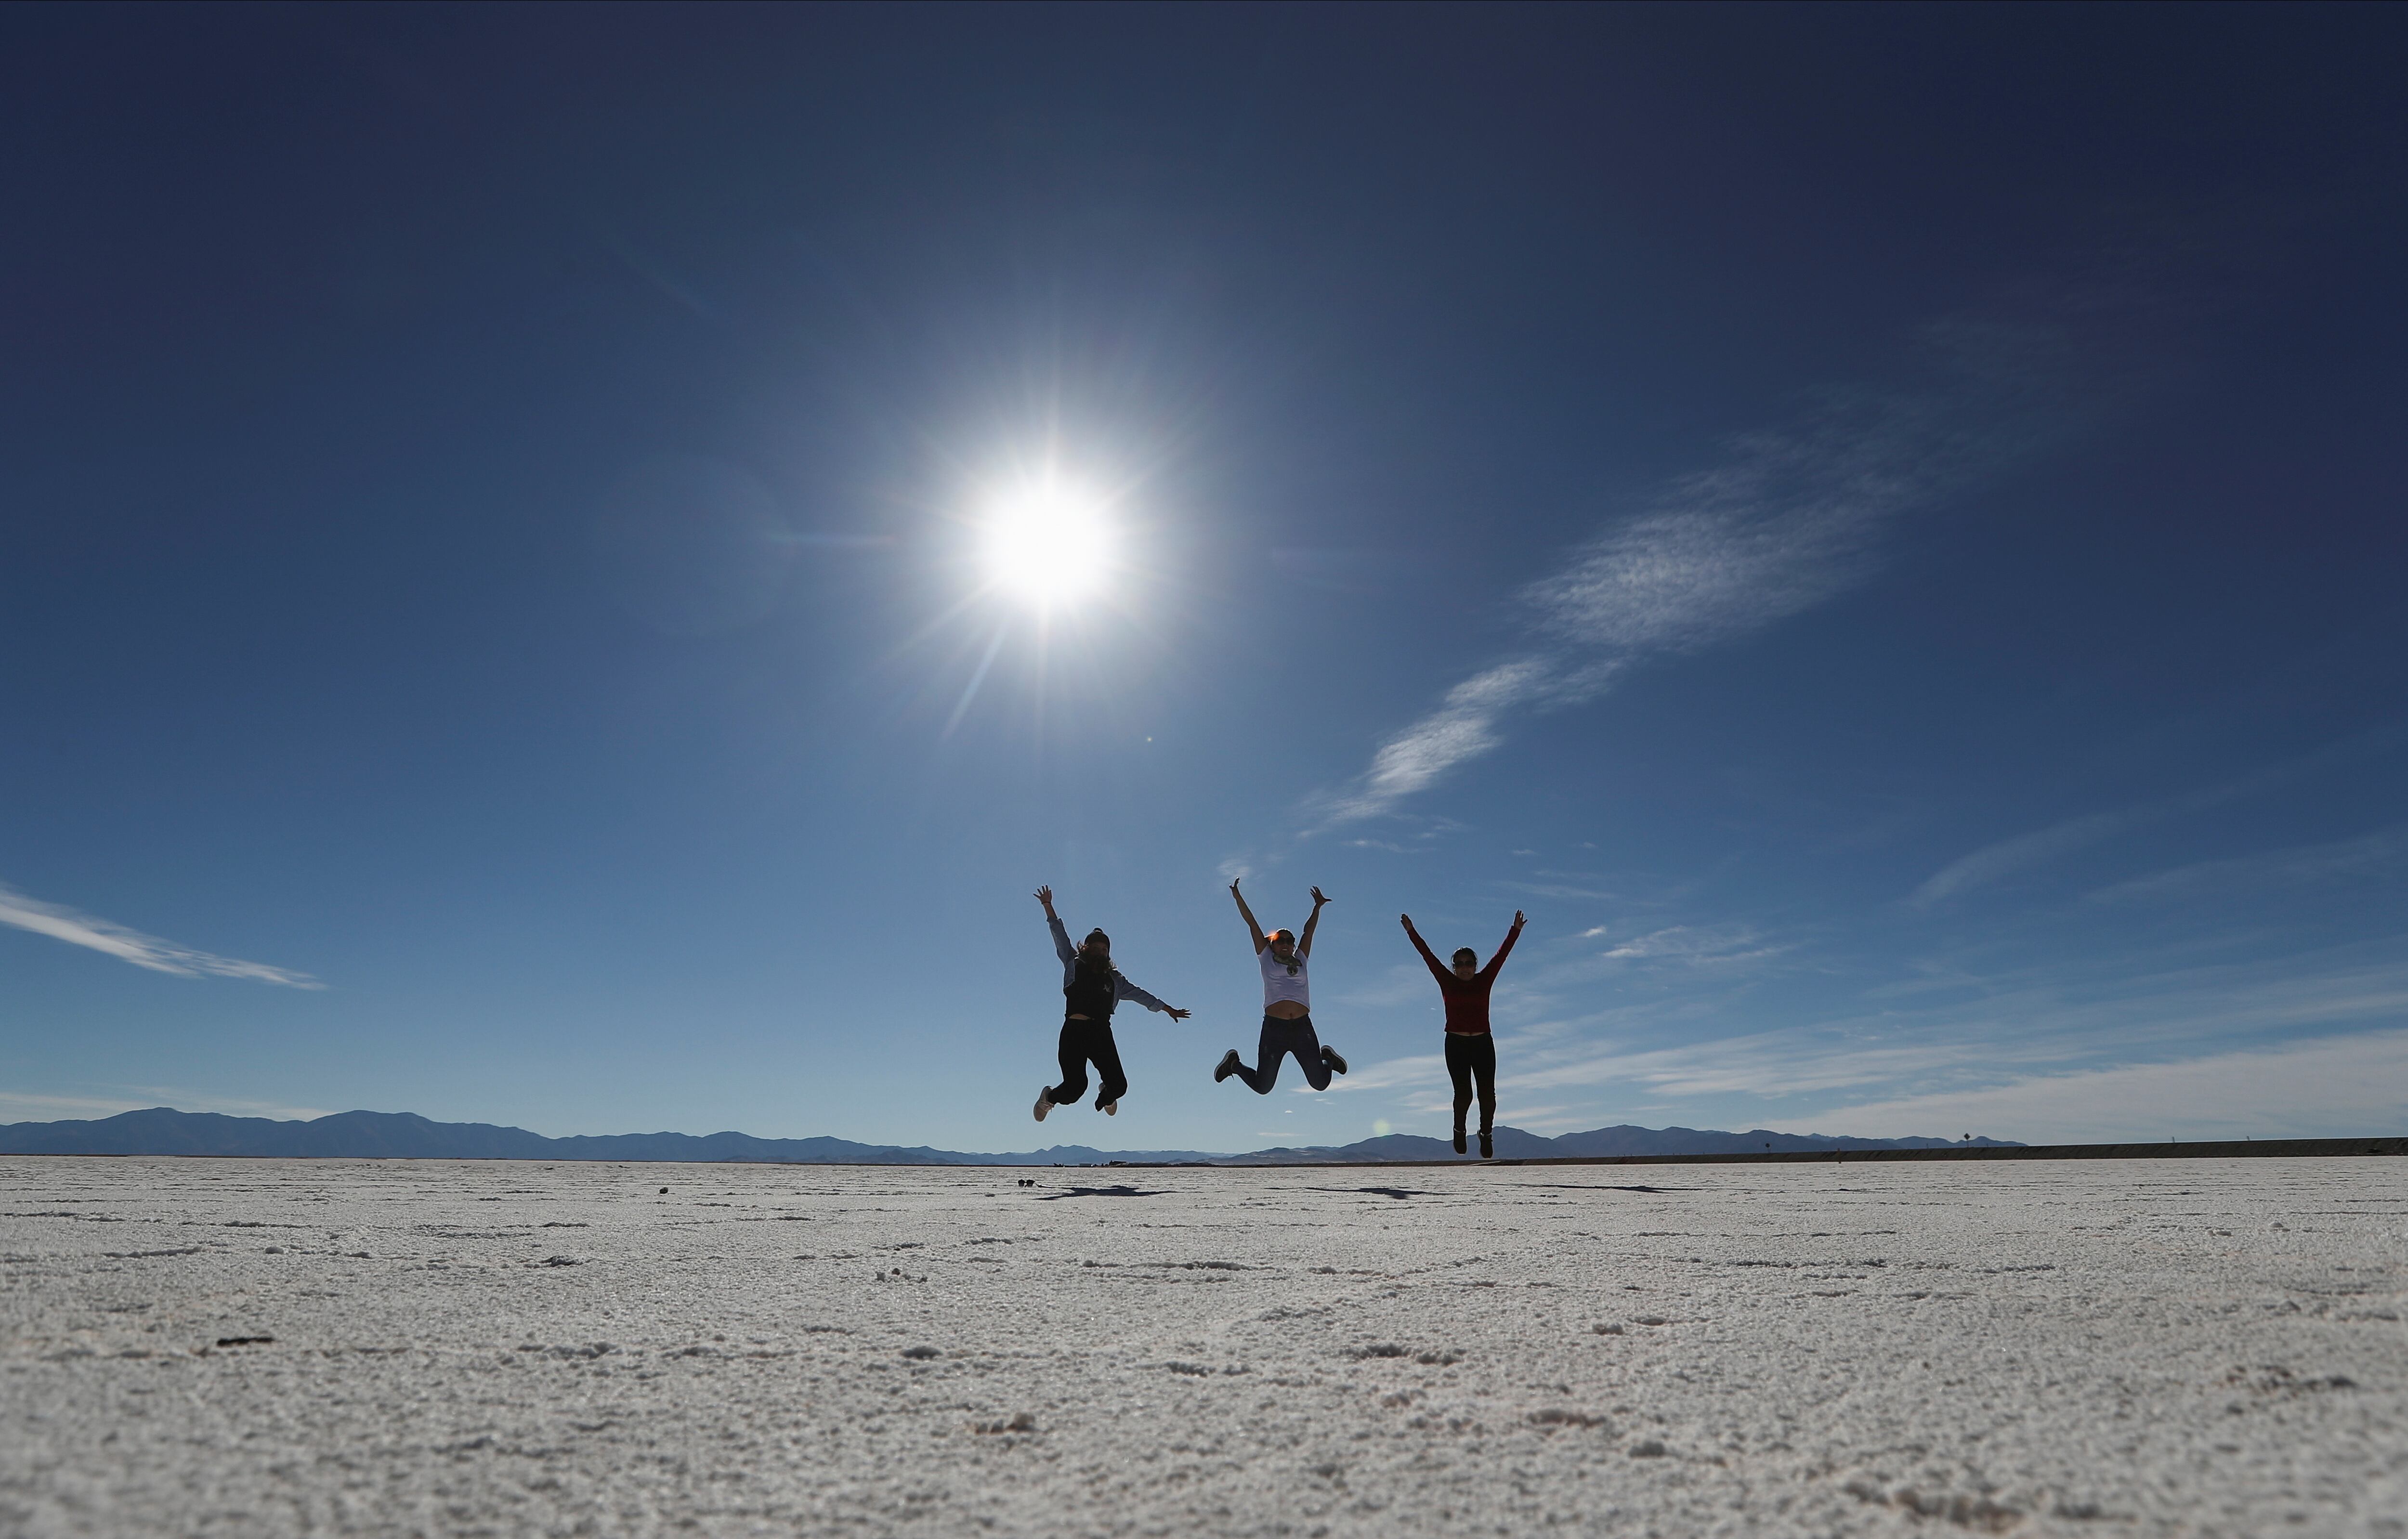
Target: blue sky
(1880,528)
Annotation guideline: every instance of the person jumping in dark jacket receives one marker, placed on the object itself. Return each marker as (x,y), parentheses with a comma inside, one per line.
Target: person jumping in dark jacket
(1091,987)
(1470,1049)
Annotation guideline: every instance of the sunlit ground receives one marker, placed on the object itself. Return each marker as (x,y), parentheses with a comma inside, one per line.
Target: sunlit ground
(265,1347)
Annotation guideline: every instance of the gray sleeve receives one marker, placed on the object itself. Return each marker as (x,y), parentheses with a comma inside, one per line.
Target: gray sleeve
(1123,988)
(1061,947)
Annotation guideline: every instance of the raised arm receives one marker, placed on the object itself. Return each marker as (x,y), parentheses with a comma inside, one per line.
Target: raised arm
(1063,949)
(1252,928)
(1304,942)
(1505,950)
(1422,945)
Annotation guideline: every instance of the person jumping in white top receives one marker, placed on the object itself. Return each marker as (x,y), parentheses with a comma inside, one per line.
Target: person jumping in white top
(1287,1007)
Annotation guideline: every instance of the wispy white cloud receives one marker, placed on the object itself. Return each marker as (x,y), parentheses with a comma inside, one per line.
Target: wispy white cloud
(1556,890)
(2049,1021)
(1392,1073)
(1992,861)
(2334,1086)
(1717,565)
(2366,855)
(2027,850)
(1697,946)
(1790,519)
(1464,727)
(112,939)
(1767,1064)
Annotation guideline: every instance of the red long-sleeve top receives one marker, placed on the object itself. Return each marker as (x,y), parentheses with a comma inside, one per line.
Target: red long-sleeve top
(1467,999)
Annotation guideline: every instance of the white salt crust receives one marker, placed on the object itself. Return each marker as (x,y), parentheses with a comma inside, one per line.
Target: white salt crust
(2198,1348)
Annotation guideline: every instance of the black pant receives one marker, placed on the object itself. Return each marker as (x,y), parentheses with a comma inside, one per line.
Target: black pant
(1280,1038)
(1467,1055)
(1084,1042)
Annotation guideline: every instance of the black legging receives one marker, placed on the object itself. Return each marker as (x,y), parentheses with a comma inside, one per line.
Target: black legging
(1468,1055)
(1280,1038)
(1082,1042)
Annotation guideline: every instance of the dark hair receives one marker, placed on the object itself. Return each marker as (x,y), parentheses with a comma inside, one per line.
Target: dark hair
(1462,952)
(1278,936)
(1094,936)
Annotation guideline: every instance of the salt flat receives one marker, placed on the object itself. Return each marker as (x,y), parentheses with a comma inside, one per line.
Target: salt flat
(2078,1347)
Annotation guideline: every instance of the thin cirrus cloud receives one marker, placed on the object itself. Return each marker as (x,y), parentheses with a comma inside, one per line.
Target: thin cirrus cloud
(2052,1021)
(1694,945)
(112,939)
(2376,854)
(1992,861)
(2332,1086)
(1791,519)
(2025,851)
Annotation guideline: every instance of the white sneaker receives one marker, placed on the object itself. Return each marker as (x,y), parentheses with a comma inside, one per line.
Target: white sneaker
(1044,1101)
(1112,1108)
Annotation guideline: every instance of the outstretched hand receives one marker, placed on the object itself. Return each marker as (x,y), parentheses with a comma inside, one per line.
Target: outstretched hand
(1318,899)
(1407,920)
(1176,1014)
(1045,896)
(1518,920)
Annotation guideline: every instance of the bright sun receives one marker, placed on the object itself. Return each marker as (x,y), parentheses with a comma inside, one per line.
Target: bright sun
(1049,546)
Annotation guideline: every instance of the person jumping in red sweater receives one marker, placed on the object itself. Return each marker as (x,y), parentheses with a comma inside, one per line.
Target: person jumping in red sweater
(1471,1051)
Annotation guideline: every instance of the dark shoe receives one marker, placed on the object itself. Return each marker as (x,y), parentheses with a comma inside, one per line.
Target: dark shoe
(1487,1146)
(1458,1140)
(1227,1066)
(1329,1056)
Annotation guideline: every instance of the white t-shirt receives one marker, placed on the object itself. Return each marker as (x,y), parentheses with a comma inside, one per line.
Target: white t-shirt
(1286,980)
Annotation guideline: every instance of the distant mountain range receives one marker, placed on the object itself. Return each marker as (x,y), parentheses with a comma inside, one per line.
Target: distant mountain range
(406,1135)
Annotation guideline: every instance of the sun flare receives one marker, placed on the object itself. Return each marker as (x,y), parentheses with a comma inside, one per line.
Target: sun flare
(1049,546)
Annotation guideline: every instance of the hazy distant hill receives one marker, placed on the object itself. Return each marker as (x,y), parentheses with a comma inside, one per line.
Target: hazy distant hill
(406,1135)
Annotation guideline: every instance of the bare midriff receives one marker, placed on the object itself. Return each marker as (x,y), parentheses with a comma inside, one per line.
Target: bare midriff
(1285,1009)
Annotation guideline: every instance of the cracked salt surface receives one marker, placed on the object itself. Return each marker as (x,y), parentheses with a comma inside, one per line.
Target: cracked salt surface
(2085,1347)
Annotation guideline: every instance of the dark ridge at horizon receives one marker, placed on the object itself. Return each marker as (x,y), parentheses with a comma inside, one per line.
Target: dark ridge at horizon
(408,1136)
